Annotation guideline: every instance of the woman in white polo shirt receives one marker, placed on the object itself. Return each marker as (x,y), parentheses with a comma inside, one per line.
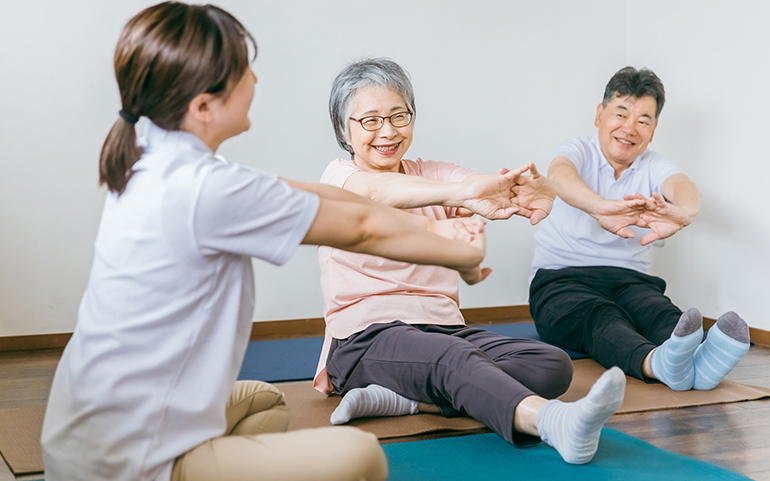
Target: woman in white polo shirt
(145,388)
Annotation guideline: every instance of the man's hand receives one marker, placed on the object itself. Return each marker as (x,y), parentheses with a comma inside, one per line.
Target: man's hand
(663,218)
(616,215)
(493,196)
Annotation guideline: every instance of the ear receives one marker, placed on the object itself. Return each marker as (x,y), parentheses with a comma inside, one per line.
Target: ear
(599,111)
(199,109)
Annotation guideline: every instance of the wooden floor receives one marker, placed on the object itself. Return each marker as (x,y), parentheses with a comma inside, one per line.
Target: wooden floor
(736,436)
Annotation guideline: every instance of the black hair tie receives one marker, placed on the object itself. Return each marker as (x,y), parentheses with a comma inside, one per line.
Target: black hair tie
(131,119)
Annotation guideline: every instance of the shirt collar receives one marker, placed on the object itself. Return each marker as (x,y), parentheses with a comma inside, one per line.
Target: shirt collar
(155,138)
(604,164)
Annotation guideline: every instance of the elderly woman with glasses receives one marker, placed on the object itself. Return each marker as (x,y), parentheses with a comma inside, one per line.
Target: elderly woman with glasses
(396,342)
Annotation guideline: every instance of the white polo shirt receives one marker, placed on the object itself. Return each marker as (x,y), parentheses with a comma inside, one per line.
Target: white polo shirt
(165,320)
(569,237)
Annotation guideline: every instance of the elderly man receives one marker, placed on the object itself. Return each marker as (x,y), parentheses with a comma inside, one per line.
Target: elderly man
(590,289)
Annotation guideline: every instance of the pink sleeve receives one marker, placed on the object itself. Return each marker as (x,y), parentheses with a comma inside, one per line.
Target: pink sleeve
(444,171)
(338,171)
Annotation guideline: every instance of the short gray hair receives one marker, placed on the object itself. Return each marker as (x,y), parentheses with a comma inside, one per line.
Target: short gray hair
(362,73)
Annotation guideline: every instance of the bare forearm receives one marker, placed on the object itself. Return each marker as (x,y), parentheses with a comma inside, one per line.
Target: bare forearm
(407,191)
(571,188)
(683,193)
(380,230)
(329,192)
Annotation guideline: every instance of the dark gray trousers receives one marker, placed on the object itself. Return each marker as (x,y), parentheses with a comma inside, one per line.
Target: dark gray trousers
(460,369)
(615,315)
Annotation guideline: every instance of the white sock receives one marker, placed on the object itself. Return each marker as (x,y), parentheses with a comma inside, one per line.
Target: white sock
(372,400)
(574,428)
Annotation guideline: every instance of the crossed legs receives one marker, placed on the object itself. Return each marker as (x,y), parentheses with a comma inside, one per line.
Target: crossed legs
(256,446)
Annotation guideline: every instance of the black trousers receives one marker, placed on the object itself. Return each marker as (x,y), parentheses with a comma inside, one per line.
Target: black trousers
(460,369)
(615,315)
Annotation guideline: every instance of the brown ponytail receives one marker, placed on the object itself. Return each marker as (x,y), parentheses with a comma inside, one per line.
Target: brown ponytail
(166,56)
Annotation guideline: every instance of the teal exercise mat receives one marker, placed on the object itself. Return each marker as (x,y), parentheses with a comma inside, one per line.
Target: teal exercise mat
(296,359)
(488,457)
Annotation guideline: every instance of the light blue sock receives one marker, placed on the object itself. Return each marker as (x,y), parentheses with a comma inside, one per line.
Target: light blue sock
(723,349)
(672,361)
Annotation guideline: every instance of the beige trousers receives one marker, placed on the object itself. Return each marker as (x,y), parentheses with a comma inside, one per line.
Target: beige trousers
(256,446)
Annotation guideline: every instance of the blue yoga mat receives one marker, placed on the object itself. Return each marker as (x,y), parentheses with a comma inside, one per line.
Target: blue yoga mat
(489,457)
(296,359)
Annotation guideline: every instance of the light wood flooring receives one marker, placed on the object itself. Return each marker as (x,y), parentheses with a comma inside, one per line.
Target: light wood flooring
(736,436)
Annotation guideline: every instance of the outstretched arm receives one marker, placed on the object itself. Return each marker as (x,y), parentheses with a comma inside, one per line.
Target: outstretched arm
(667,214)
(490,196)
(613,215)
(350,222)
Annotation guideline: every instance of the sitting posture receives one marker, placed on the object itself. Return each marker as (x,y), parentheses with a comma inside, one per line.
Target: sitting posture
(396,341)
(146,388)
(590,289)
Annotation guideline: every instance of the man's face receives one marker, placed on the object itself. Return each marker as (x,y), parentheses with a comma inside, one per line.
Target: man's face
(626,126)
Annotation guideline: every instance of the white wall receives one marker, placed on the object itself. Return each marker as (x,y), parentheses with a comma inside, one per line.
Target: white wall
(714,58)
(497,84)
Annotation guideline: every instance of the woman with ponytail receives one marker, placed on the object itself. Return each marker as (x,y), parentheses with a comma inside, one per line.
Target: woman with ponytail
(146,388)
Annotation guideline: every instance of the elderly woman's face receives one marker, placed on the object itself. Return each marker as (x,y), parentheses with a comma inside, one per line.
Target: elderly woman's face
(380,150)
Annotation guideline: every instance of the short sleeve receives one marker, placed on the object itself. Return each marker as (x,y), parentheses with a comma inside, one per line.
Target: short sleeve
(338,172)
(443,171)
(660,170)
(249,212)
(576,149)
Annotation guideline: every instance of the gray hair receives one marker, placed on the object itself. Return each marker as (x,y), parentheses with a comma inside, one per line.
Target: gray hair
(367,72)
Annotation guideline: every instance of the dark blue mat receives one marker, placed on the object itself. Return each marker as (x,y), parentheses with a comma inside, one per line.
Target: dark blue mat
(489,457)
(527,330)
(283,360)
(296,359)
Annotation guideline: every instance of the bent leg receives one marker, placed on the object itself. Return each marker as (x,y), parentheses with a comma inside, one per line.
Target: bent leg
(544,369)
(642,297)
(256,407)
(324,454)
(428,367)
(571,308)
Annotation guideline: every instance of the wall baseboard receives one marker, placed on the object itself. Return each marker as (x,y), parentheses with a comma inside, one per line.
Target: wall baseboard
(314,327)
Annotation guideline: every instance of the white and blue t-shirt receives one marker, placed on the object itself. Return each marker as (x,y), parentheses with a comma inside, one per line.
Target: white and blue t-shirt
(569,237)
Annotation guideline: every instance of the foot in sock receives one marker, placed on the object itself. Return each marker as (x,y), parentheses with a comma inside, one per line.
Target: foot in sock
(372,400)
(672,361)
(574,428)
(723,349)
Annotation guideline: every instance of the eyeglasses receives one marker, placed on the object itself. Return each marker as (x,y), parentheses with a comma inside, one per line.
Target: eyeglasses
(375,122)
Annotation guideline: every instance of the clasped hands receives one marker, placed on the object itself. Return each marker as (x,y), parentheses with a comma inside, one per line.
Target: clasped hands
(662,218)
(510,193)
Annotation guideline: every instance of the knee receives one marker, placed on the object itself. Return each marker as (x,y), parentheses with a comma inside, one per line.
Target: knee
(256,407)
(363,459)
(260,396)
(559,376)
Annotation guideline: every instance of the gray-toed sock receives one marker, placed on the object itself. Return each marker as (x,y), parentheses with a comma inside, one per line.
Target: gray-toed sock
(727,343)
(672,361)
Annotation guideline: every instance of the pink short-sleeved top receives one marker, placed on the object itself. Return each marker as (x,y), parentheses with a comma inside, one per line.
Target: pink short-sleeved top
(360,290)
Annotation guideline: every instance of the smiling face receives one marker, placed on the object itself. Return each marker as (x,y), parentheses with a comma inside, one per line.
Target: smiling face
(383,149)
(626,125)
